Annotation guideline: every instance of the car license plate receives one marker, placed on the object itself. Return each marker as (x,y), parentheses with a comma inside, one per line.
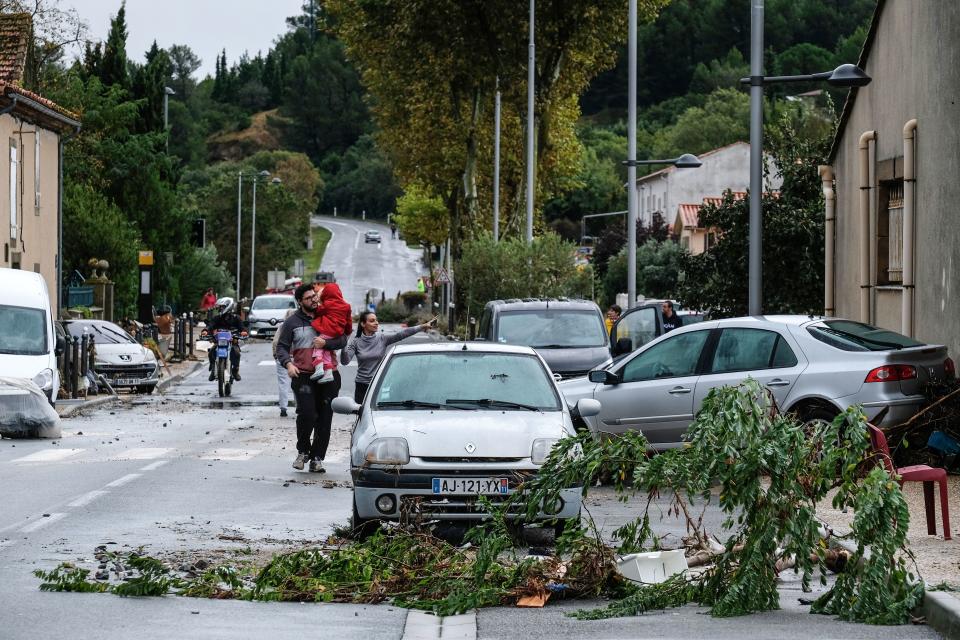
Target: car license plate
(470,486)
(126,381)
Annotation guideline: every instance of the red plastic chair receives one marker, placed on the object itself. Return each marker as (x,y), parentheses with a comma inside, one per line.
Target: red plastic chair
(917,473)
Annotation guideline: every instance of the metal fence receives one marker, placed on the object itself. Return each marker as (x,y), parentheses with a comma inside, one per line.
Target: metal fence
(75,361)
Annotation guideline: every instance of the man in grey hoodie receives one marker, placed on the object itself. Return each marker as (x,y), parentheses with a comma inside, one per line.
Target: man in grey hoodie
(368,347)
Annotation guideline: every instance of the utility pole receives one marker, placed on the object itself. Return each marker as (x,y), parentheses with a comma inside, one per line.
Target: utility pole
(755,253)
(496,164)
(253,238)
(531,59)
(632,155)
(239,196)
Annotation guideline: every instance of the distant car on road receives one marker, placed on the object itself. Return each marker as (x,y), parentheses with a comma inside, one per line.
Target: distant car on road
(324,277)
(443,424)
(371,236)
(815,368)
(123,361)
(569,334)
(267,313)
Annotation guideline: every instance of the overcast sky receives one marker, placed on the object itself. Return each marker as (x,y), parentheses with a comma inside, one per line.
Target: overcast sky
(206,26)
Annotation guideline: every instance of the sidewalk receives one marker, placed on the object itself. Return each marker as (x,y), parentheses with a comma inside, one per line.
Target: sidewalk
(170,375)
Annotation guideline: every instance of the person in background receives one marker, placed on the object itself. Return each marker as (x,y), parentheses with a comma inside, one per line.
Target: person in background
(613,314)
(283,380)
(209,300)
(421,285)
(368,347)
(228,319)
(670,318)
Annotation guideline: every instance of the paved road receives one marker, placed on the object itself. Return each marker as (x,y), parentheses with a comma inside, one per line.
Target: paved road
(184,476)
(390,266)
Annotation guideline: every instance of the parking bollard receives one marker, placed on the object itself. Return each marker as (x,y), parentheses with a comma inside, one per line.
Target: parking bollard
(67,363)
(84,346)
(190,344)
(75,369)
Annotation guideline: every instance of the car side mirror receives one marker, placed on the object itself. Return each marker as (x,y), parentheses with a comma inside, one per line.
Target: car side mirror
(345,405)
(587,407)
(60,347)
(603,377)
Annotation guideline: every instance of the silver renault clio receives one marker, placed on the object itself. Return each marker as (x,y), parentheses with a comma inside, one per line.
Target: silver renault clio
(814,366)
(443,424)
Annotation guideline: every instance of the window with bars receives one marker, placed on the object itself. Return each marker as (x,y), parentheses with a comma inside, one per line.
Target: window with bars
(890,233)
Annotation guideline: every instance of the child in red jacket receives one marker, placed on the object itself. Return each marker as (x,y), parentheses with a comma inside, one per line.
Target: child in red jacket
(332,319)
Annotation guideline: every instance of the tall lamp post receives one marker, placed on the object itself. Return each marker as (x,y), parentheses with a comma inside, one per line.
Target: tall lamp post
(846,75)
(686,161)
(263,175)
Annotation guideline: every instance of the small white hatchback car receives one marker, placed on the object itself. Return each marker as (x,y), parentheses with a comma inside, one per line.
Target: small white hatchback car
(443,424)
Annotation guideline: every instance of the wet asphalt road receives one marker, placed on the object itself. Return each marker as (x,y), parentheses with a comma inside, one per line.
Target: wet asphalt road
(183,476)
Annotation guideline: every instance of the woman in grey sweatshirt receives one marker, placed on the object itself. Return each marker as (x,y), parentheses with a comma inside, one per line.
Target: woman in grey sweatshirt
(368,347)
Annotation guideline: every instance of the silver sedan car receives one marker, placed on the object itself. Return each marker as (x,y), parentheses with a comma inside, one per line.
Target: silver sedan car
(815,367)
(445,423)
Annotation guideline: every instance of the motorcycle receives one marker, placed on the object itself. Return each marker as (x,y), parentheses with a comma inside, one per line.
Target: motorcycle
(223,341)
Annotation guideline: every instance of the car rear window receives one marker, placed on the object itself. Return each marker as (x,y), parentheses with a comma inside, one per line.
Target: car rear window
(552,328)
(848,335)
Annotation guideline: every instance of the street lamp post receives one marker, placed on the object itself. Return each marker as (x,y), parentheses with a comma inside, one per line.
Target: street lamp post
(685,161)
(239,198)
(167,92)
(531,58)
(846,75)
(263,175)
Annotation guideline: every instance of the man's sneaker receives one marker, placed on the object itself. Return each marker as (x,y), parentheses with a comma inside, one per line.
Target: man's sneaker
(236,375)
(326,377)
(213,376)
(300,461)
(283,413)
(316,466)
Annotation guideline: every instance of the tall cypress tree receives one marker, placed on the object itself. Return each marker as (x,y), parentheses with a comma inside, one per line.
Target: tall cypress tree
(113,69)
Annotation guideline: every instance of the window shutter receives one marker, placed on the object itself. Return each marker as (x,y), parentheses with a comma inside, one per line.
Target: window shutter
(895,234)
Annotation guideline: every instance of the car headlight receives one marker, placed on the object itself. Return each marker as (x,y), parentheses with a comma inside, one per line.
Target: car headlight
(44,379)
(541,449)
(388,451)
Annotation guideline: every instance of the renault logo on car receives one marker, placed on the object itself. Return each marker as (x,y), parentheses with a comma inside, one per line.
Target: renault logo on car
(470,447)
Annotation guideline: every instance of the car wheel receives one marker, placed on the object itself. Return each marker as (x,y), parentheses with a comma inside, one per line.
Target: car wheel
(814,417)
(362,528)
(564,524)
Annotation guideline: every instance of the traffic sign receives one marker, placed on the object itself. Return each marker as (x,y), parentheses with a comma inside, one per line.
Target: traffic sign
(442,276)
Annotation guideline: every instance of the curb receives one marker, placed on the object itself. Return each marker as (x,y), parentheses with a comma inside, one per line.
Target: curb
(179,377)
(941,610)
(72,409)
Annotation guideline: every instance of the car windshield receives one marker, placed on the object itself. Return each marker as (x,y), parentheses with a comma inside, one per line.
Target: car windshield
(552,328)
(857,336)
(103,333)
(460,380)
(285,302)
(24,331)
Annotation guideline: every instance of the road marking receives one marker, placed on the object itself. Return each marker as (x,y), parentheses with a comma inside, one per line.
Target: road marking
(230,454)
(124,480)
(154,465)
(267,363)
(142,453)
(426,626)
(356,242)
(41,523)
(87,498)
(49,455)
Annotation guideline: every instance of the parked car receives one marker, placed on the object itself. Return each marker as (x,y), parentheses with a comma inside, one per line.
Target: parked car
(267,313)
(643,323)
(371,236)
(815,368)
(324,277)
(568,334)
(28,343)
(121,360)
(444,423)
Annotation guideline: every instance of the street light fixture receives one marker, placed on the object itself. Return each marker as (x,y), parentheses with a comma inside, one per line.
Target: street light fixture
(846,75)
(683,161)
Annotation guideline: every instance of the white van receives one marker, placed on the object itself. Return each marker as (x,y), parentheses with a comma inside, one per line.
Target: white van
(28,343)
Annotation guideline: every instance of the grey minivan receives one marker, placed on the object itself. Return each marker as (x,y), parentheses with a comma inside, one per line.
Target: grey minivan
(568,334)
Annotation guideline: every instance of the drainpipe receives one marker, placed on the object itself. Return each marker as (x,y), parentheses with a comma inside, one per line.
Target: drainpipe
(829,200)
(865,239)
(909,182)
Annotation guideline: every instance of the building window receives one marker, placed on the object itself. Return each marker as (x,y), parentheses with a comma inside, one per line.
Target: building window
(13,189)
(711,240)
(890,233)
(685,242)
(36,171)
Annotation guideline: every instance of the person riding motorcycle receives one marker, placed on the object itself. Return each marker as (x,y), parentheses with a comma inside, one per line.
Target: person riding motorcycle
(227,319)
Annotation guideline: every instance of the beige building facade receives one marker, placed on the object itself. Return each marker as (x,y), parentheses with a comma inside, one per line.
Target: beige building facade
(31,133)
(892,187)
